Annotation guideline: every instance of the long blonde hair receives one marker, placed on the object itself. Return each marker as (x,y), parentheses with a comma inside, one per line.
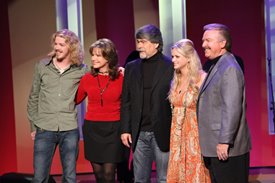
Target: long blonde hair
(186,48)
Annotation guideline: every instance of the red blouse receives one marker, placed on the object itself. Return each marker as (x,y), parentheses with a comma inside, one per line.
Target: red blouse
(105,107)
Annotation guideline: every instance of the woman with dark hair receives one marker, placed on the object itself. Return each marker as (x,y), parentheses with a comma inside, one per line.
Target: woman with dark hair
(103,86)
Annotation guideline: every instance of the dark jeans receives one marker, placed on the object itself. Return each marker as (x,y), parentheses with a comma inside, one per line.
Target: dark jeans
(145,153)
(44,147)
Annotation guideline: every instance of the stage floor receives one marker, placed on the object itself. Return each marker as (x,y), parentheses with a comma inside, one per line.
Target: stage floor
(257,175)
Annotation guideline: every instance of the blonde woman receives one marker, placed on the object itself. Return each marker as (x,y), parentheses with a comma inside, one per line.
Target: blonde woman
(185,162)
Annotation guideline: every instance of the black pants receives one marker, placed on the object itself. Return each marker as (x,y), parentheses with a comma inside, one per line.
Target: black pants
(235,169)
(124,174)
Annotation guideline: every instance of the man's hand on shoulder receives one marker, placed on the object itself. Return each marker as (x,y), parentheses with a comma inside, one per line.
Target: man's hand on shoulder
(121,70)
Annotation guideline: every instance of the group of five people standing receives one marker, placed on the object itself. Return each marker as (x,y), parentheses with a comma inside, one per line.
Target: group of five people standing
(155,106)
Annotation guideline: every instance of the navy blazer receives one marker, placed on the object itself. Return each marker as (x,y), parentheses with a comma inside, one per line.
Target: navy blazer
(132,101)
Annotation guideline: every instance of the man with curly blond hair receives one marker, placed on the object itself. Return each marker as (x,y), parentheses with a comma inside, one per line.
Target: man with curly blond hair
(51,106)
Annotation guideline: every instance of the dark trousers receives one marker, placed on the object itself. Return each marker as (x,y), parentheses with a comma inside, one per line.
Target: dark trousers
(124,174)
(235,169)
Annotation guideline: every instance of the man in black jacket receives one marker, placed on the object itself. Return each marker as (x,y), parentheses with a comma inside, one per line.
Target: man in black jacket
(145,109)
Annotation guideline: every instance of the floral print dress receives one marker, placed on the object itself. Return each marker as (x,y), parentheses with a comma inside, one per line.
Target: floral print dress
(185,161)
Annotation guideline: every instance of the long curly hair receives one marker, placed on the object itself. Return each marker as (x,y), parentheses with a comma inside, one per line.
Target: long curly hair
(186,48)
(75,48)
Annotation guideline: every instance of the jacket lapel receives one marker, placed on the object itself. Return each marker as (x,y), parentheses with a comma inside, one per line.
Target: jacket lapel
(161,68)
(138,75)
(209,78)
(138,71)
(212,73)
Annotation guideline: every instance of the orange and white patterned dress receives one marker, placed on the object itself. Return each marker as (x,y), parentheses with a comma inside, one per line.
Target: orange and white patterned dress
(185,161)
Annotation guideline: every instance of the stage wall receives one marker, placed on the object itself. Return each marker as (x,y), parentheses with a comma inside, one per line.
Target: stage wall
(27,31)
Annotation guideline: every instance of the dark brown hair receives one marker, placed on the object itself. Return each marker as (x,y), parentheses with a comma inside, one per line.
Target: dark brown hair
(109,52)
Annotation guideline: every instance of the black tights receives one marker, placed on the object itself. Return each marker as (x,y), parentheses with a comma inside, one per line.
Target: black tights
(104,172)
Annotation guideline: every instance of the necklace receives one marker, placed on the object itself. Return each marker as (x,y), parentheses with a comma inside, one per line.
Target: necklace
(104,73)
(184,86)
(60,69)
(102,90)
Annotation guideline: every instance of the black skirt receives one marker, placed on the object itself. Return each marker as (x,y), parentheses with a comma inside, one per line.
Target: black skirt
(102,142)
